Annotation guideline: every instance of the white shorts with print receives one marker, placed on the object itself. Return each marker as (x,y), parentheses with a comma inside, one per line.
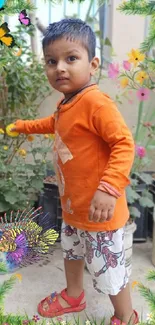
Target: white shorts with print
(103,253)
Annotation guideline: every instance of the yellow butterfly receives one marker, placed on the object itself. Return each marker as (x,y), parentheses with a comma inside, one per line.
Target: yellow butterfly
(6,38)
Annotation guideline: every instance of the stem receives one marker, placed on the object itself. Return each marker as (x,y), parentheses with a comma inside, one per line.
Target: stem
(89,10)
(140,111)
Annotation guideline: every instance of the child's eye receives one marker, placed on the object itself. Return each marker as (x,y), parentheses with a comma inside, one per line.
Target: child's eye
(72,58)
(51,62)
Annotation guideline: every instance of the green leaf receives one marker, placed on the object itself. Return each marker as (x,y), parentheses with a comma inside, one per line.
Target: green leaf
(146,202)
(11,197)
(132,195)
(37,183)
(107,42)
(4,206)
(134,212)
(146,178)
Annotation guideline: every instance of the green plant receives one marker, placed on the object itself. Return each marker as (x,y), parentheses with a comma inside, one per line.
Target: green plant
(136,84)
(23,88)
(149,296)
(143,8)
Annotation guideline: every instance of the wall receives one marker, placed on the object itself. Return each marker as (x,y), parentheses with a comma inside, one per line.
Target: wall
(127,31)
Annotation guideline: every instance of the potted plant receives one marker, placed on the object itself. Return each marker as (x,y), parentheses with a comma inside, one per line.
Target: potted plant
(23,159)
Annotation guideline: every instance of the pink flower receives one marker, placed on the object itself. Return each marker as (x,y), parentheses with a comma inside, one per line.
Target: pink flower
(113,70)
(143,94)
(140,151)
(127,65)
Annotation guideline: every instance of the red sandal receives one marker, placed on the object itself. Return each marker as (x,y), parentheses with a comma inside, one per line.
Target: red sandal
(116,321)
(55,309)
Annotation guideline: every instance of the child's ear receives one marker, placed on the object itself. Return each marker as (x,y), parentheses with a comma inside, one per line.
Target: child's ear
(94,65)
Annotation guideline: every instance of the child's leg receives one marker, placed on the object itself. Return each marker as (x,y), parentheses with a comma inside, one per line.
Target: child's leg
(74,276)
(71,299)
(105,260)
(123,306)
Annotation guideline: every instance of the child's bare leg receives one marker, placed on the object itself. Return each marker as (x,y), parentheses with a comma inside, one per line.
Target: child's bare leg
(74,270)
(123,306)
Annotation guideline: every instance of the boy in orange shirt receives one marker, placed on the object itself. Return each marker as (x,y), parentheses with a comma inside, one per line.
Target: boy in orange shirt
(93,154)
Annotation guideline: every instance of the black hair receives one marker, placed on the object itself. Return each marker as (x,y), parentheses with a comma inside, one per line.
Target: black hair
(72,29)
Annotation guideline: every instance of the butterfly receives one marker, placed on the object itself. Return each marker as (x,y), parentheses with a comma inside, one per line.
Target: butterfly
(24,20)
(6,38)
(2,4)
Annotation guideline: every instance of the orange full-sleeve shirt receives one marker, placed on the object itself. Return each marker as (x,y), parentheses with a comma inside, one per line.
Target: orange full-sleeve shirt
(93,149)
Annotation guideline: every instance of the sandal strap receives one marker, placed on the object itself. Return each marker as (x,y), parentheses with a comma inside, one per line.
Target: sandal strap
(73,302)
(115,320)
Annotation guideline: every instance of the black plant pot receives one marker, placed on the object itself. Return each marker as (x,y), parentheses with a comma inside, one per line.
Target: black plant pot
(52,213)
(141,232)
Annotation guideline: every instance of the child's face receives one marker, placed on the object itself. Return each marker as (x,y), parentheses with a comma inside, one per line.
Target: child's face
(67,66)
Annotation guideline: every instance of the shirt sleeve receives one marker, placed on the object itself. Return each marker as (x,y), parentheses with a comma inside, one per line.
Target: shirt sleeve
(39,126)
(110,125)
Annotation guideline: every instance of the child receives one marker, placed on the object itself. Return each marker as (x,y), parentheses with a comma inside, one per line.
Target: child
(93,155)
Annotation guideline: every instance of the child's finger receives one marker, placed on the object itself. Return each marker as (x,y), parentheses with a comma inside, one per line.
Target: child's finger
(97,215)
(110,214)
(104,215)
(91,212)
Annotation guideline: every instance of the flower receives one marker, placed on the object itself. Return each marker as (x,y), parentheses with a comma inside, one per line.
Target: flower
(143,94)
(141,76)
(126,65)
(30,138)
(134,284)
(113,70)
(149,317)
(11,133)
(63,322)
(1,131)
(135,57)
(124,82)
(87,322)
(35,318)
(25,322)
(22,152)
(140,151)
(5,147)
(46,136)
(18,276)
(147,124)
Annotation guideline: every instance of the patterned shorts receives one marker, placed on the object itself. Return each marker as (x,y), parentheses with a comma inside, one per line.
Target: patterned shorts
(103,253)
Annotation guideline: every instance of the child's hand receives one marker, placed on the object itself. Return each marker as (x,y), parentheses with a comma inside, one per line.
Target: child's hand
(102,207)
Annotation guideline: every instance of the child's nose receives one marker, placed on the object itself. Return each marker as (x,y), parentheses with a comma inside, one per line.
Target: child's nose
(61,66)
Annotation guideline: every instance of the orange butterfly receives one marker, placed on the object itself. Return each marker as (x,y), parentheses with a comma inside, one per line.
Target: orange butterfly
(6,38)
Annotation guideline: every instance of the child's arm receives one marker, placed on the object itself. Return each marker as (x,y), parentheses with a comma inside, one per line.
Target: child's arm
(39,126)
(110,125)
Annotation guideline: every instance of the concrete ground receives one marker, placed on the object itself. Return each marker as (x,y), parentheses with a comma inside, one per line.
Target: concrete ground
(40,279)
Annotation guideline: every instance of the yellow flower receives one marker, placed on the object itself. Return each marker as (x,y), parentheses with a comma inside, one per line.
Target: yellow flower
(5,147)
(46,136)
(135,57)
(141,76)
(1,131)
(22,152)
(30,138)
(11,133)
(44,161)
(134,284)
(124,82)
(18,276)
